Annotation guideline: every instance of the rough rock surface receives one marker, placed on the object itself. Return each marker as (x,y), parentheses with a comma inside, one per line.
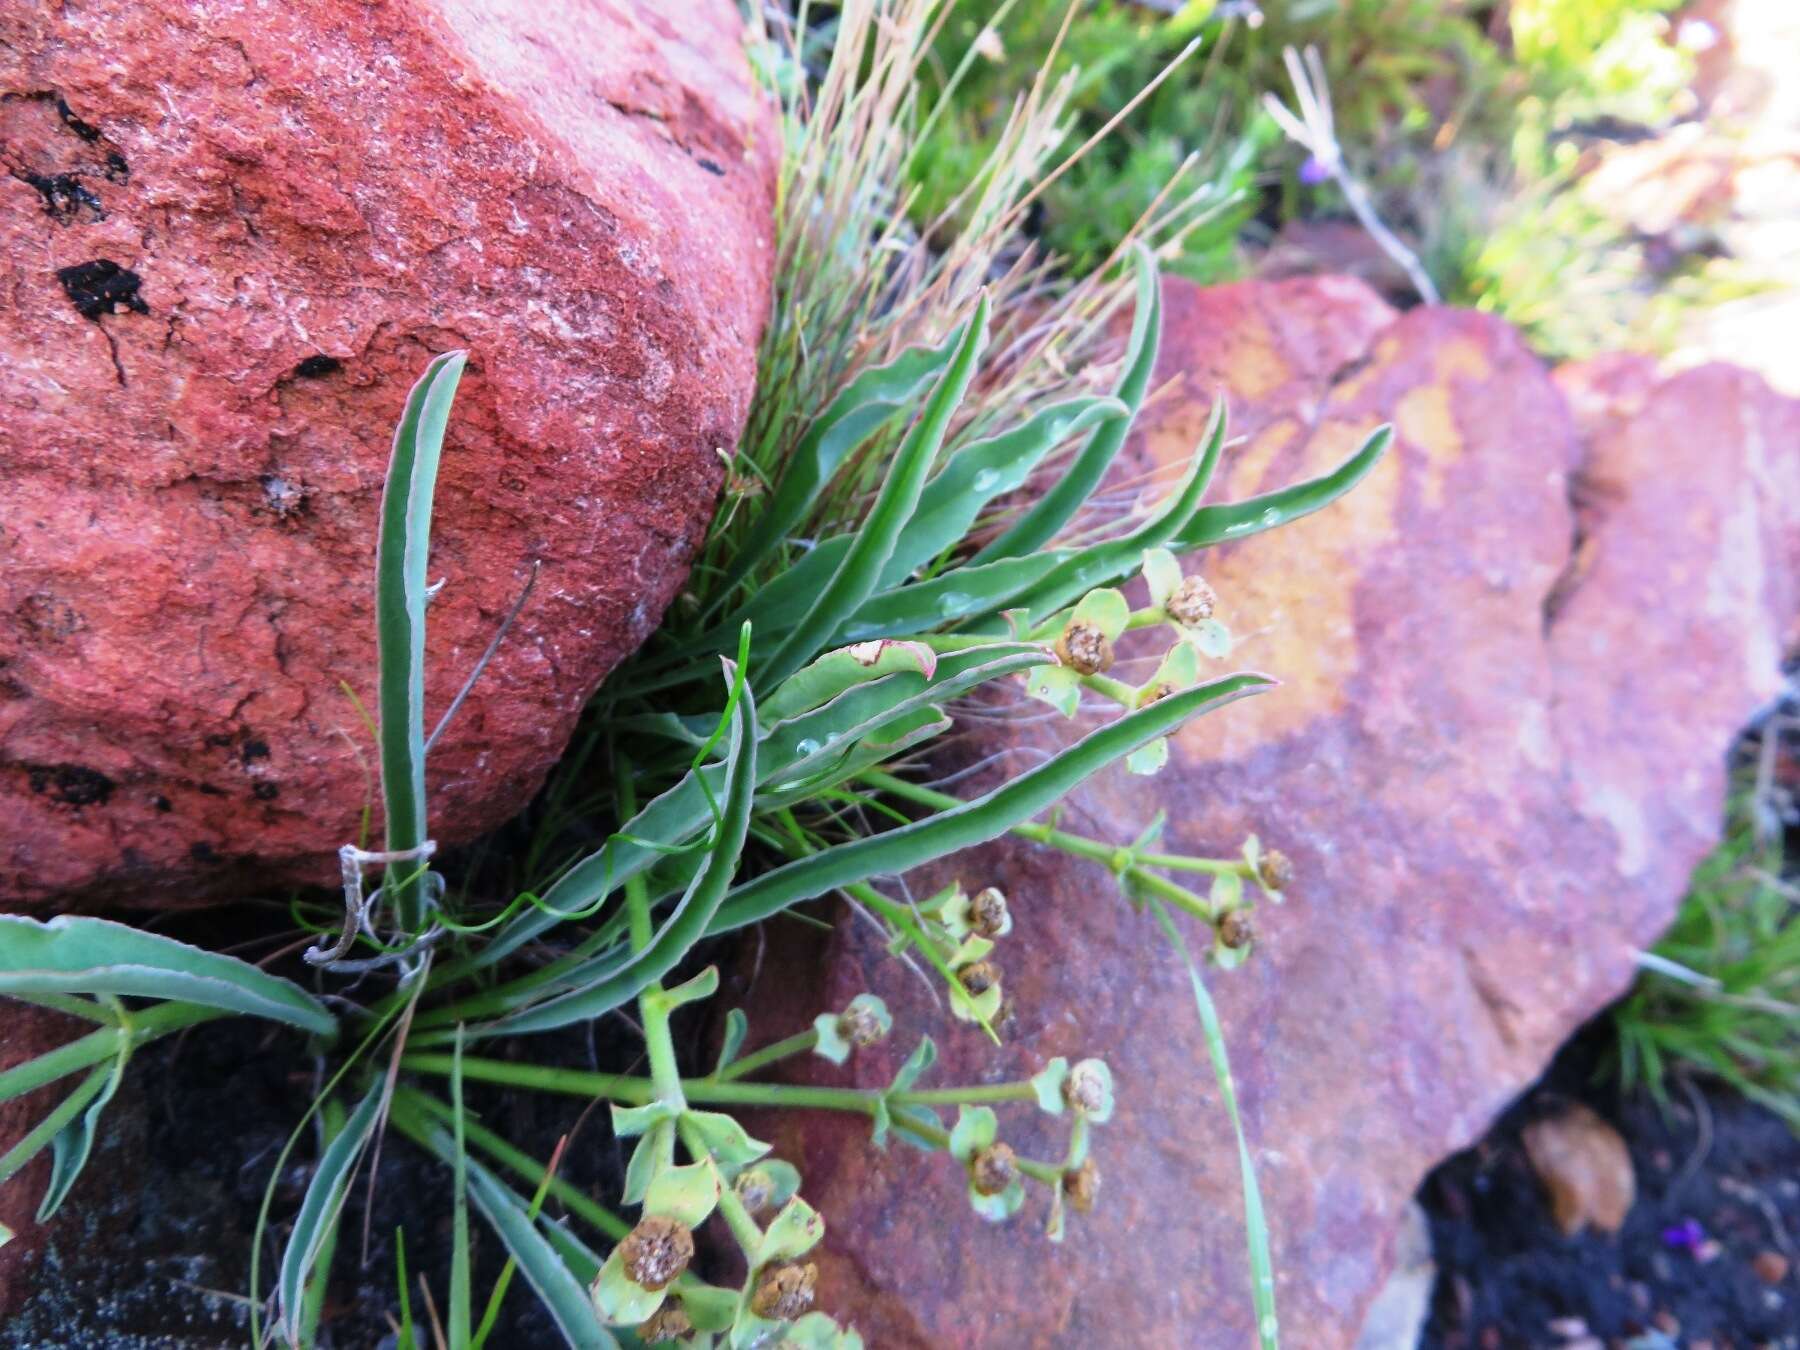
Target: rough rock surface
(1496,755)
(231,234)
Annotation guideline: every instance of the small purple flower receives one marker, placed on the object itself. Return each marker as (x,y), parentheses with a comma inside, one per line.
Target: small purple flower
(1314,171)
(1685,1236)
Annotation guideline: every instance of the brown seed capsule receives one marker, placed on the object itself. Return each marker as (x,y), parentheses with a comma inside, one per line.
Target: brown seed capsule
(860,1026)
(1084,648)
(1082,1186)
(667,1323)
(1191,602)
(785,1292)
(994,1169)
(1274,870)
(1084,1089)
(1155,693)
(987,912)
(980,977)
(1235,929)
(656,1251)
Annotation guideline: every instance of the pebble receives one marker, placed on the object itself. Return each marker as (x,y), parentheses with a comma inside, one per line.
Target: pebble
(1770,1267)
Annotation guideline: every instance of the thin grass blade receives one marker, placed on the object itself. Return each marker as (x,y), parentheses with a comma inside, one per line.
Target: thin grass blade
(1256,1227)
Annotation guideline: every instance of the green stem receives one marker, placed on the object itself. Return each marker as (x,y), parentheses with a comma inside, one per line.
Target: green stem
(1123,862)
(101,1045)
(1044,1172)
(743,1227)
(1179,862)
(769,1054)
(634,1091)
(653,1005)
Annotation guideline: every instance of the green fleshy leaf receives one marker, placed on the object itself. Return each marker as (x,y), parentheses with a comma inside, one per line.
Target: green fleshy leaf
(857,576)
(970,950)
(1106,609)
(881,1122)
(833,1044)
(976,1128)
(778,1181)
(725,1139)
(983,470)
(1048,1082)
(401,592)
(973,822)
(75,954)
(922,1116)
(1162,573)
(1214,524)
(634,1120)
(817,1331)
(792,1233)
(950,907)
(1211,637)
(641,1169)
(1058,686)
(1041,522)
(687,1194)
(982,1007)
(1180,668)
(708,1307)
(1227,892)
(1230,958)
(70,1148)
(1151,835)
(1001,1207)
(1148,760)
(620,1300)
(702,986)
(737,1027)
(919,1061)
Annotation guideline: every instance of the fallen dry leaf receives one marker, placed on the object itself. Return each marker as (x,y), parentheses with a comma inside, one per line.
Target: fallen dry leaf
(1585,1166)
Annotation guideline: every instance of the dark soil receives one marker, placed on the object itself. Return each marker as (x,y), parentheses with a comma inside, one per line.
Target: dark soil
(153,1249)
(1509,1280)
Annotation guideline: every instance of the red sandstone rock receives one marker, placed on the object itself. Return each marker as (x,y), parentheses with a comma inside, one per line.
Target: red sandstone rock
(231,234)
(1493,771)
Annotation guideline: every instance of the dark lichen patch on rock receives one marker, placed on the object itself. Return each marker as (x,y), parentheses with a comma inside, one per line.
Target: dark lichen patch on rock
(71,784)
(65,198)
(315,366)
(102,287)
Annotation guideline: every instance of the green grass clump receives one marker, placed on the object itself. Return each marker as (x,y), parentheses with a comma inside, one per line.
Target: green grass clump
(1720,994)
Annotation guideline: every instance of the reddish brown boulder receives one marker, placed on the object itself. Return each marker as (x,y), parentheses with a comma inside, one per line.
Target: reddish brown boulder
(231,235)
(1493,770)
